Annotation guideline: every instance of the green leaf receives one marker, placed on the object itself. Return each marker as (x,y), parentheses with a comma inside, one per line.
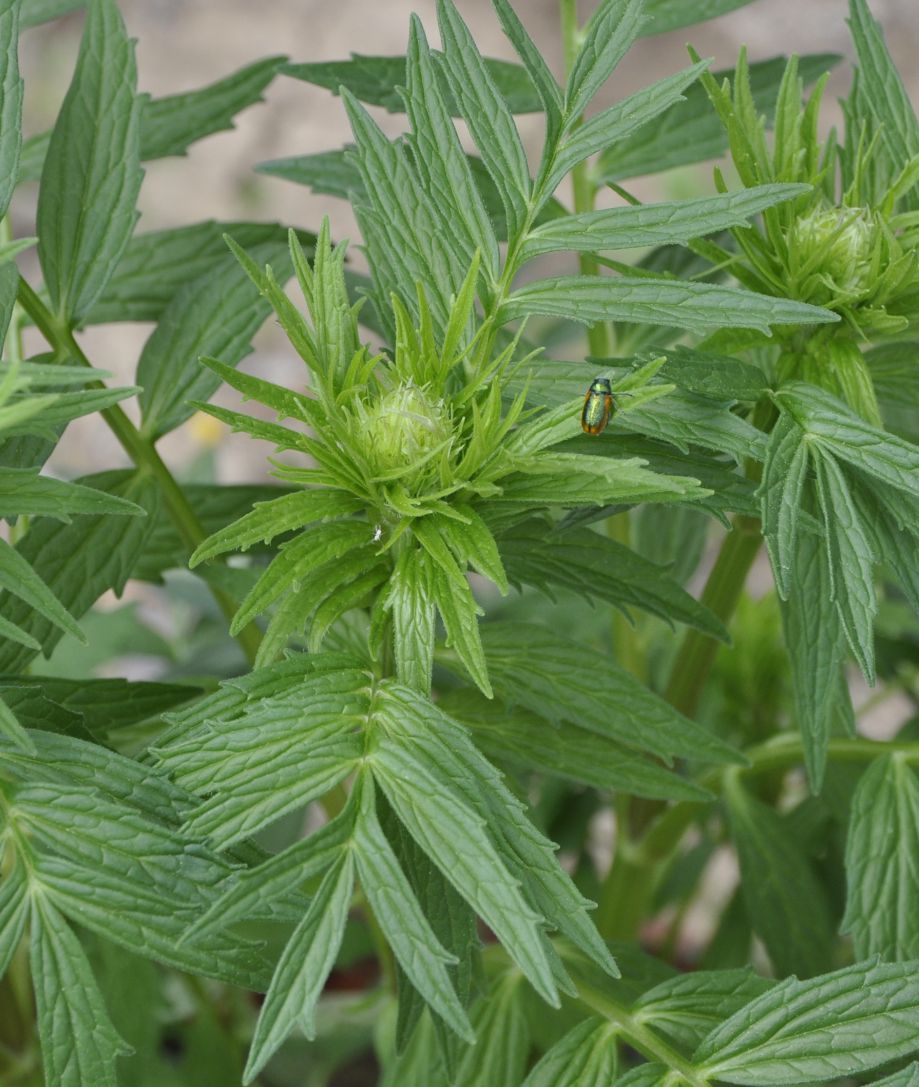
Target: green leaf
(440,159)
(486,113)
(706,374)
(79,1044)
(614,124)
(690,131)
(303,968)
(156,265)
(24,491)
(502,1037)
(410,601)
(599,568)
(42,11)
(14,912)
(80,561)
(666,15)
(851,561)
(696,307)
(585,1057)
(816,648)
(376,81)
(906,1077)
(216,314)
(881,92)
(268,520)
(10,101)
(543,80)
(428,803)
(89,708)
(786,903)
(564,680)
(418,951)
(20,579)
(169,125)
(12,730)
(784,474)
(654,224)
(92,175)
(612,29)
(422,727)
(841,1024)
(883,881)
(507,732)
(688,1006)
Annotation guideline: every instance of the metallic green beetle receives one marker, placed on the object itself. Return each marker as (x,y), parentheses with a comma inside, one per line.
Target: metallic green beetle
(598,406)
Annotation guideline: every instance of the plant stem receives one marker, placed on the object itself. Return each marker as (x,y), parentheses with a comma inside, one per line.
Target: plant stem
(599,336)
(141,451)
(638,1035)
(721,594)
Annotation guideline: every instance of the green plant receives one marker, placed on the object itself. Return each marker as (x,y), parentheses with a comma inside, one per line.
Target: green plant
(454,635)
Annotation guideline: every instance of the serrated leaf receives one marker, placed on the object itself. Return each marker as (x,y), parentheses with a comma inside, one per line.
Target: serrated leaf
(502,1037)
(11,728)
(654,224)
(707,374)
(565,680)
(666,15)
(440,159)
(88,708)
(881,92)
(520,842)
(486,113)
(688,1006)
(80,561)
(600,569)
(410,601)
(614,124)
(906,1077)
(14,912)
(217,314)
(92,175)
(841,1024)
(848,437)
(376,81)
(24,491)
(544,81)
(612,29)
(79,1044)
(303,967)
(10,101)
(156,265)
(585,1057)
(883,881)
(786,903)
(417,949)
(429,805)
(784,473)
(508,732)
(20,579)
(267,520)
(851,562)
(169,125)
(690,131)
(816,648)
(696,307)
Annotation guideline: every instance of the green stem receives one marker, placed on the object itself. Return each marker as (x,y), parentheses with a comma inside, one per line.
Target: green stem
(638,1035)
(141,451)
(599,336)
(778,753)
(721,594)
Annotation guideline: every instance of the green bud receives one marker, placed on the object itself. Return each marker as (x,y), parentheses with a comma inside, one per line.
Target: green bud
(403,428)
(831,249)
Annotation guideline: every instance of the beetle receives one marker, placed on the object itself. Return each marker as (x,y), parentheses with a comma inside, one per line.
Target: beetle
(598,406)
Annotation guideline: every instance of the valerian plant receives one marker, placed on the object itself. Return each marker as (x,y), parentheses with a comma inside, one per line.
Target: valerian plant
(459,628)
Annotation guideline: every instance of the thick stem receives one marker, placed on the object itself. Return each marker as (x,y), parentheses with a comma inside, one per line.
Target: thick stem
(141,451)
(721,594)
